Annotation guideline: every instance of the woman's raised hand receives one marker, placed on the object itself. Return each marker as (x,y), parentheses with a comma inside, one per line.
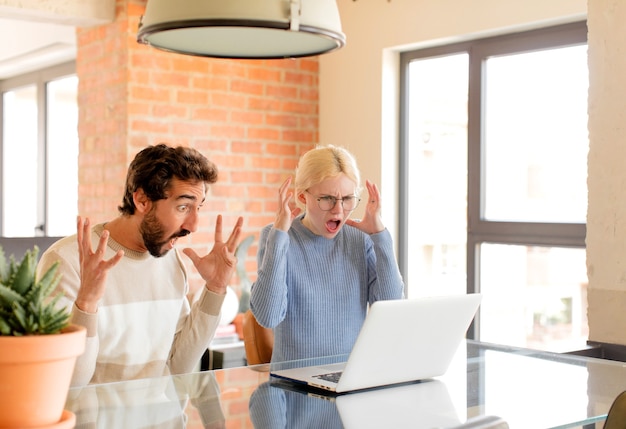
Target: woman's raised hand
(285,214)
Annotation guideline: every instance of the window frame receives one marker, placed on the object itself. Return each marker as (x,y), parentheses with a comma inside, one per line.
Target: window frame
(480,230)
(39,79)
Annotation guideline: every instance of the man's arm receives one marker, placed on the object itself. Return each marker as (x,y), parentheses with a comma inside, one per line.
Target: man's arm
(68,287)
(196,331)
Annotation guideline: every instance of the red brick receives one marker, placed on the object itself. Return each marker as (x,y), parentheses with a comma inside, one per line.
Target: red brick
(247,147)
(247,87)
(264,133)
(210,114)
(212,82)
(192,97)
(247,118)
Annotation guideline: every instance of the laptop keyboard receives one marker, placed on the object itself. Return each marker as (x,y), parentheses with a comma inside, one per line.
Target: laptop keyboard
(333,377)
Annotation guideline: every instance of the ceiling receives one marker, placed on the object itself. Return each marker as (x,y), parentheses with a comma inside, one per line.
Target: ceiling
(33,46)
(41,33)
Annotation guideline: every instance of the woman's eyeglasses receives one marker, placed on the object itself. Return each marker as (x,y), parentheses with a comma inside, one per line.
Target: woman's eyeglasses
(328,202)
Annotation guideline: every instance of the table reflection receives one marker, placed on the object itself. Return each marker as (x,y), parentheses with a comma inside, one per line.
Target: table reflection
(159,403)
(277,404)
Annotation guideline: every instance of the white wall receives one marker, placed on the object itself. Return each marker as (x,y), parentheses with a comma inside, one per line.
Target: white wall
(359,109)
(41,33)
(359,83)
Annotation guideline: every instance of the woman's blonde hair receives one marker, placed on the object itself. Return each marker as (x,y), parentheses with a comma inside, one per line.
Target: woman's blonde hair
(322,163)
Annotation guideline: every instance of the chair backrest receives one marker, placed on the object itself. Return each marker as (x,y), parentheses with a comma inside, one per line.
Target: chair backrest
(616,419)
(258,341)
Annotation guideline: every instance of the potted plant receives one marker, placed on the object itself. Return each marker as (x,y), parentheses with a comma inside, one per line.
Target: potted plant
(38,346)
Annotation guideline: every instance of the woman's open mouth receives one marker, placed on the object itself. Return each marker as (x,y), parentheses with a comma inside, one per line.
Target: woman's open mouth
(333,226)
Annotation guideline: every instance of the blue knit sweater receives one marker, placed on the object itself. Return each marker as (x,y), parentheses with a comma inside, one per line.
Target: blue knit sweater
(314,292)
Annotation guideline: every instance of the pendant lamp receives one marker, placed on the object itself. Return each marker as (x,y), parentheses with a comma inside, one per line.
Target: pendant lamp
(245,29)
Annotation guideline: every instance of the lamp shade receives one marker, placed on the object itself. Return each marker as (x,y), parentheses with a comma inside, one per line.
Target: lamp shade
(252,29)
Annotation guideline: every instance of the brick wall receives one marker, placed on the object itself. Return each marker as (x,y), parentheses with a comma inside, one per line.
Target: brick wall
(253,118)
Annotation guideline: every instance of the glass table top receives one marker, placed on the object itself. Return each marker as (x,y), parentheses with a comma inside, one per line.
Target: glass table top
(485,382)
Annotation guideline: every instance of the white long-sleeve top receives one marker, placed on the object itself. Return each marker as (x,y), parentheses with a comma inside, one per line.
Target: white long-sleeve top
(144,326)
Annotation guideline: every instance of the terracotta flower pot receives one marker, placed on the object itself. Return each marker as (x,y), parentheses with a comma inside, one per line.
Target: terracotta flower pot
(35,376)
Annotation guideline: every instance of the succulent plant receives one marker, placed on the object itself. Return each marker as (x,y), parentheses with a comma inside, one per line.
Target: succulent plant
(26,305)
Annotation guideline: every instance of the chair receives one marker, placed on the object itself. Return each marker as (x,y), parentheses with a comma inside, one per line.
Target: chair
(616,419)
(258,341)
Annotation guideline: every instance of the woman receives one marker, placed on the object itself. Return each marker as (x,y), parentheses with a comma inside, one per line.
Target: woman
(318,269)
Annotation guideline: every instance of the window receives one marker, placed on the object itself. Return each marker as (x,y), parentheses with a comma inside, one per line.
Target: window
(493,182)
(39,153)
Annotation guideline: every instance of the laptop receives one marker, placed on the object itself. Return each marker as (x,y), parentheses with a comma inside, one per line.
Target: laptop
(401,341)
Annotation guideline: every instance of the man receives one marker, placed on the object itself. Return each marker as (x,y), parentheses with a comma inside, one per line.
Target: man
(125,281)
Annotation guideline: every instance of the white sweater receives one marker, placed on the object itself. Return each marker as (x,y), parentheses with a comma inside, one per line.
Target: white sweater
(144,326)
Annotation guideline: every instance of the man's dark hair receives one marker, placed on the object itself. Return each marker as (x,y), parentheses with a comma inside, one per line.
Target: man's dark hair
(154,167)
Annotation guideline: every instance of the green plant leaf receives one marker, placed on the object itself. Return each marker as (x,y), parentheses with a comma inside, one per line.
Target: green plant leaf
(5,328)
(27,306)
(25,275)
(49,280)
(4,266)
(8,296)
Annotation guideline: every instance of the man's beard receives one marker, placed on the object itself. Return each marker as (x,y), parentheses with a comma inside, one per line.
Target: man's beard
(152,233)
